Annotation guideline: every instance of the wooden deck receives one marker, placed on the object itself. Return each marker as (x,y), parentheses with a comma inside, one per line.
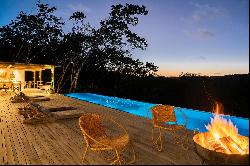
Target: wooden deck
(61,142)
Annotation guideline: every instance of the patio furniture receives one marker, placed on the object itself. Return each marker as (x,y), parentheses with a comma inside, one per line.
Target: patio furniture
(163,118)
(3,86)
(21,97)
(44,87)
(39,84)
(16,85)
(29,84)
(98,136)
(34,113)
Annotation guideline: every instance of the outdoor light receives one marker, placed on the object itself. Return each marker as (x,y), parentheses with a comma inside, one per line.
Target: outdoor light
(2,73)
(15,72)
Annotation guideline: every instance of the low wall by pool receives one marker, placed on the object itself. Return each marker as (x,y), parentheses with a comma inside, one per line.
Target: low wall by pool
(196,118)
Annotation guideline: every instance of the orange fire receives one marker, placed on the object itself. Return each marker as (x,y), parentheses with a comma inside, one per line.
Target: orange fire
(222,136)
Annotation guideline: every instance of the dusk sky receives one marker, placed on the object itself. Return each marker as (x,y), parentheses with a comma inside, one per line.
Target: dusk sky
(210,37)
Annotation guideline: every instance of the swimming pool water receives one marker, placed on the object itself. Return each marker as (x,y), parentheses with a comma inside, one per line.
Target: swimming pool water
(196,118)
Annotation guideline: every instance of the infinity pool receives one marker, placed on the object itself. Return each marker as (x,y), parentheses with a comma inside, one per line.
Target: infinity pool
(196,118)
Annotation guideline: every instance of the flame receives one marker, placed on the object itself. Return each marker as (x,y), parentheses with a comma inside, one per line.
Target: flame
(223,135)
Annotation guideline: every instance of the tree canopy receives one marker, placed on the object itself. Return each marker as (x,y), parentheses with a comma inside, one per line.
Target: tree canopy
(32,38)
(39,38)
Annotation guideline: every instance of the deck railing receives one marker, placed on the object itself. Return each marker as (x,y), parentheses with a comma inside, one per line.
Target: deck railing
(18,85)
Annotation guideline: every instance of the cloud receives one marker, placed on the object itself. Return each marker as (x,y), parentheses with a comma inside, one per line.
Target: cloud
(69,9)
(79,7)
(199,32)
(217,73)
(197,58)
(205,33)
(206,12)
(202,15)
(196,17)
(201,58)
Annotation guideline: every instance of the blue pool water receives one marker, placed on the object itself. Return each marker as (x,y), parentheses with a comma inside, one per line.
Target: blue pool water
(196,119)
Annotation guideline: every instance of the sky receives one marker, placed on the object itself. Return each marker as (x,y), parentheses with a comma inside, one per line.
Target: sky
(209,37)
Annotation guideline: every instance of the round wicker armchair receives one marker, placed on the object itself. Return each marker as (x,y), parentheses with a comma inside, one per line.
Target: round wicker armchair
(99,136)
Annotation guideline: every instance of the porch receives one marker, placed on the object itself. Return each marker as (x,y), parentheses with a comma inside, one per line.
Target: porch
(18,76)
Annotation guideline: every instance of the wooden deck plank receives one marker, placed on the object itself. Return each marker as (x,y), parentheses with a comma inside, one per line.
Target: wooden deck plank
(61,142)
(34,141)
(5,120)
(17,146)
(44,154)
(54,145)
(66,143)
(45,151)
(15,127)
(3,150)
(37,145)
(5,132)
(29,149)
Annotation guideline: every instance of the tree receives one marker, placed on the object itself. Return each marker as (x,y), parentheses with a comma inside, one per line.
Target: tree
(116,40)
(76,48)
(106,48)
(187,74)
(32,38)
(38,38)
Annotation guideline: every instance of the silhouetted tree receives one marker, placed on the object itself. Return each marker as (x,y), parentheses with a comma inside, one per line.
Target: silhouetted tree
(38,38)
(187,74)
(106,48)
(116,40)
(32,38)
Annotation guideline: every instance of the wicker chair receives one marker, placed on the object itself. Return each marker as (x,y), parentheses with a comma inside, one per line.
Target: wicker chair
(98,137)
(163,118)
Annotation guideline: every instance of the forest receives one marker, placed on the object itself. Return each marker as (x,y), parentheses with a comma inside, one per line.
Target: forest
(194,92)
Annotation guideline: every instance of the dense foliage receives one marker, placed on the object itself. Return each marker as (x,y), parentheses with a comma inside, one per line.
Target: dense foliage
(195,92)
(39,38)
(32,38)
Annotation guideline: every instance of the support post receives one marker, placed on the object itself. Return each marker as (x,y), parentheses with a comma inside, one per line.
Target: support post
(40,75)
(34,76)
(52,77)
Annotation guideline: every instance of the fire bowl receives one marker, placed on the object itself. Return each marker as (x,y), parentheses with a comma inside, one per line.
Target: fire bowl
(213,157)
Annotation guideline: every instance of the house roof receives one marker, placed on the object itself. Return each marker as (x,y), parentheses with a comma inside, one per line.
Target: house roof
(25,66)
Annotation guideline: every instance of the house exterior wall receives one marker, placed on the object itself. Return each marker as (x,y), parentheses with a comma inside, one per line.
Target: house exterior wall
(19,75)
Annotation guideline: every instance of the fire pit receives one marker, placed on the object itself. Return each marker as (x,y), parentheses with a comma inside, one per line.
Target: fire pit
(222,144)
(212,157)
